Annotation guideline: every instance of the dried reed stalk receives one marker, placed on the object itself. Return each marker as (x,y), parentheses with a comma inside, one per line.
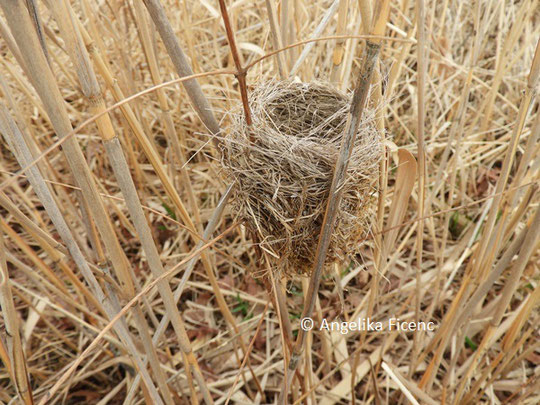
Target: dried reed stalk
(181,63)
(421,74)
(208,231)
(16,357)
(11,131)
(241,72)
(29,225)
(357,107)
(201,105)
(339,51)
(81,60)
(45,85)
(316,33)
(479,53)
(276,37)
(148,42)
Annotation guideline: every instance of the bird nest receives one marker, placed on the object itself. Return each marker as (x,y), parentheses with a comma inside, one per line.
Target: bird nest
(282,167)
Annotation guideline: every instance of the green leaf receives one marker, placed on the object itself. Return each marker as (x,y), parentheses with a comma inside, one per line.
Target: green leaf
(242,306)
(458,223)
(470,344)
(169,211)
(347,270)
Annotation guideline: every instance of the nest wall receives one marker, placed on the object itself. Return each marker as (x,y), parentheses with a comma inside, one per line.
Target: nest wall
(283,165)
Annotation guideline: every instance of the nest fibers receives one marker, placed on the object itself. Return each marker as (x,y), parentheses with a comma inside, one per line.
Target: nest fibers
(283,167)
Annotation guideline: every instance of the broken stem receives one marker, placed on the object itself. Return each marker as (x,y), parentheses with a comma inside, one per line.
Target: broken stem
(240,71)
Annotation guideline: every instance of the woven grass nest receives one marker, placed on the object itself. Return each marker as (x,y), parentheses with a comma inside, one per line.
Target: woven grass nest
(283,165)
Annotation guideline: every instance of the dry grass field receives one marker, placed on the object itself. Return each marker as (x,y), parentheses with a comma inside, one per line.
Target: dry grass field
(269,202)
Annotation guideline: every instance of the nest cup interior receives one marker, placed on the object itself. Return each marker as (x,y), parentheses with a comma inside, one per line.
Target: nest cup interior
(283,165)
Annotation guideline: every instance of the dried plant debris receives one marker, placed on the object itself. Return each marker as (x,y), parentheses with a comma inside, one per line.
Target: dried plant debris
(283,166)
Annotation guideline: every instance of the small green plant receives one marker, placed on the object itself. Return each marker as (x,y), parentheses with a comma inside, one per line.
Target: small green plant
(242,307)
(470,344)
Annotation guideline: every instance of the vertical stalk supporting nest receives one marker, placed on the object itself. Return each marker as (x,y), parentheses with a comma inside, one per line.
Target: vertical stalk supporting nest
(357,107)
